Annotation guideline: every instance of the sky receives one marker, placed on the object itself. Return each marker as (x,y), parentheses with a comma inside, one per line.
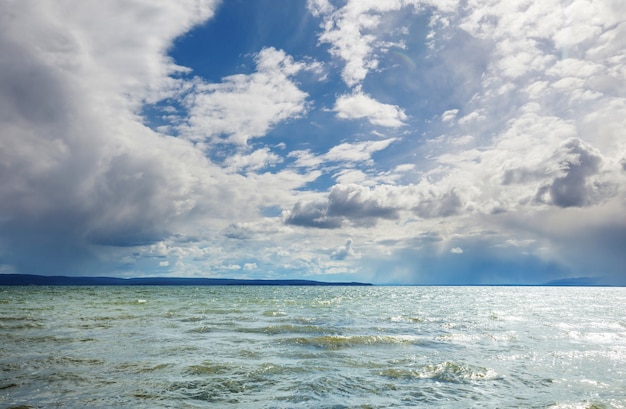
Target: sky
(393,142)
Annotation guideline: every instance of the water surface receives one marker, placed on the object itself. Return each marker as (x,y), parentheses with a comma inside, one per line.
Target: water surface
(322,347)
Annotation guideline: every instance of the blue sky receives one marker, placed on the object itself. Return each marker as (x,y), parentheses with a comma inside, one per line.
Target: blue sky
(409,142)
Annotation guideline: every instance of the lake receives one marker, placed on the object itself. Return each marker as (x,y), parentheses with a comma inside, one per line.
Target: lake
(312,347)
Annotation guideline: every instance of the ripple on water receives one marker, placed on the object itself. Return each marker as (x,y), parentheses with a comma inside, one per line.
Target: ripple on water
(337,389)
(333,342)
(272,313)
(210,368)
(287,329)
(444,372)
(202,329)
(580,405)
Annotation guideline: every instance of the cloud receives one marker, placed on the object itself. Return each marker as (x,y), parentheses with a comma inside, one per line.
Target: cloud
(456,250)
(312,214)
(238,231)
(449,115)
(252,230)
(352,33)
(347,154)
(233,267)
(319,7)
(356,152)
(578,162)
(351,176)
(364,206)
(358,202)
(257,160)
(463,140)
(443,205)
(78,163)
(246,106)
(344,252)
(355,203)
(405,167)
(359,105)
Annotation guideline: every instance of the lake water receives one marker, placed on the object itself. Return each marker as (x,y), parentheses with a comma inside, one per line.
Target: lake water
(312,347)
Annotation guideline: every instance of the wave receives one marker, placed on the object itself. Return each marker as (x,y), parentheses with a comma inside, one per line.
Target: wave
(347,341)
(202,329)
(444,372)
(409,319)
(226,383)
(287,329)
(580,405)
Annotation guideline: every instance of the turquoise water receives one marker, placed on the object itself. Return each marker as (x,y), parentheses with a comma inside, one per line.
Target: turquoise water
(312,347)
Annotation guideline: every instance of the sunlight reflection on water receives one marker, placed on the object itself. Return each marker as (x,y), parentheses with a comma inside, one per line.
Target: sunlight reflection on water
(312,347)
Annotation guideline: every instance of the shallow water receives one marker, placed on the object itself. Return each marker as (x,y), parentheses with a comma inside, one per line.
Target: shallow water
(322,347)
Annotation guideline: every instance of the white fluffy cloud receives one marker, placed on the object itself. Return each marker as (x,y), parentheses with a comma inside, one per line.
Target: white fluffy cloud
(259,159)
(543,87)
(344,252)
(352,32)
(356,152)
(359,105)
(347,154)
(246,106)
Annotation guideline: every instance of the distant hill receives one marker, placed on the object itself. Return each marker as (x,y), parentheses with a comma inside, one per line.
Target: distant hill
(575,282)
(28,279)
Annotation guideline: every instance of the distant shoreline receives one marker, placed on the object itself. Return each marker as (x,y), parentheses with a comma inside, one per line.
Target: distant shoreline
(29,279)
(40,280)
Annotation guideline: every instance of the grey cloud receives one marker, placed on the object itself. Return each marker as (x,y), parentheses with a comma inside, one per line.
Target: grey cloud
(363,207)
(419,240)
(23,79)
(520,175)
(76,206)
(128,204)
(238,232)
(578,163)
(447,204)
(78,174)
(353,203)
(312,215)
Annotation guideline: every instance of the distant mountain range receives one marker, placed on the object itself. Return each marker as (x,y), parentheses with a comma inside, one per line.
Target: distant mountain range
(28,279)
